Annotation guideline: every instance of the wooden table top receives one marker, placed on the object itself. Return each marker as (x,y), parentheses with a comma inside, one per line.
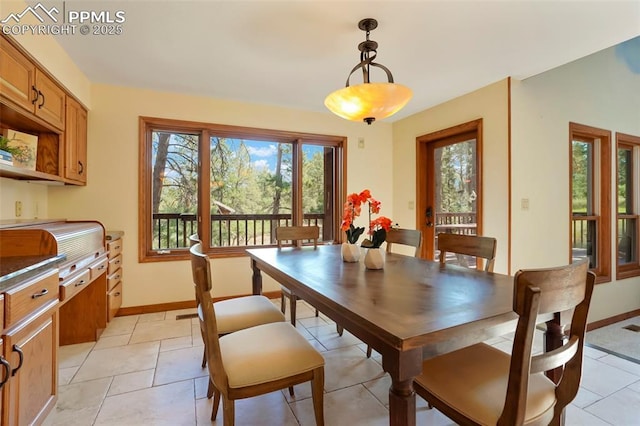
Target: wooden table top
(410,303)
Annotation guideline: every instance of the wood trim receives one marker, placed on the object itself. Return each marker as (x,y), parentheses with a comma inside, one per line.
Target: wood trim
(185,304)
(612,320)
(628,142)
(509,186)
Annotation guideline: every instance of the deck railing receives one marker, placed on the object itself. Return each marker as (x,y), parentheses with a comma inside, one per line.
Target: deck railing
(172,230)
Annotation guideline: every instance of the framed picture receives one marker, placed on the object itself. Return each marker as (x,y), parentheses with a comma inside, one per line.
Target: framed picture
(25,148)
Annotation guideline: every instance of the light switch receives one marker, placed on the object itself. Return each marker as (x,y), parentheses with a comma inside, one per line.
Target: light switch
(524,204)
(361,143)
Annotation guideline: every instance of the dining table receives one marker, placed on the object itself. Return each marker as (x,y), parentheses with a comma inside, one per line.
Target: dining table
(410,310)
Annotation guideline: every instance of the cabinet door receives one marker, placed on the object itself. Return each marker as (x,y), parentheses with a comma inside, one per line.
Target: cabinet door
(31,393)
(51,101)
(17,77)
(75,150)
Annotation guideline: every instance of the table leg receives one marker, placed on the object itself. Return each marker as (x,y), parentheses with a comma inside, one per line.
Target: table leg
(256,279)
(403,367)
(552,340)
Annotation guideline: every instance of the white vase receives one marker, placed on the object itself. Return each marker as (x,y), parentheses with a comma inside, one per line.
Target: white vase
(374,259)
(350,252)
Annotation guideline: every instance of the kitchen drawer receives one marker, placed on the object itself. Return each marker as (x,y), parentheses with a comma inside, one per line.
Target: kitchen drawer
(98,268)
(114,248)
(114,279)
(29,296)
(114,301)
(114,264)
(74,283)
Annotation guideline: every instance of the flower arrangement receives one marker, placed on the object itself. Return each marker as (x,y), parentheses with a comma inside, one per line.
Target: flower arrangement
(378,227)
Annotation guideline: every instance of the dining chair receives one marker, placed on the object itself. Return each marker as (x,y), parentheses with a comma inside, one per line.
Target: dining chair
(295,234)
(468,245)
(238,313)
(256,360)
(407,237)
(484,385)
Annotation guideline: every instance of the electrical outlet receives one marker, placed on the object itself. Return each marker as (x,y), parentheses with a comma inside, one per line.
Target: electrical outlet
(524,204)
(360,143)
(18,208)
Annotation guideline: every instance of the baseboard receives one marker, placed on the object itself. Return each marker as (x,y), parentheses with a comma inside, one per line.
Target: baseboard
(612,320)
(173,306)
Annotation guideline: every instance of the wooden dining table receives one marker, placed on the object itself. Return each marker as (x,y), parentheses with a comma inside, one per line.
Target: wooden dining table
(410,310)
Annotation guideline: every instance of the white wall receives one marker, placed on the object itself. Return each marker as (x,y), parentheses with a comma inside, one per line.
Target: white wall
(112,193)
(489,103)
(598,91)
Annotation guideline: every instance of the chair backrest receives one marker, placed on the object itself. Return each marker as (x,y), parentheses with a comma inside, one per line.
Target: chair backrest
(468,245)
(545,291)
(407,237)
(194,239)
(297,234)
(201,271)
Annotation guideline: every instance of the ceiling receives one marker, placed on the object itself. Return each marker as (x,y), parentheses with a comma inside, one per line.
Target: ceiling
(293,53)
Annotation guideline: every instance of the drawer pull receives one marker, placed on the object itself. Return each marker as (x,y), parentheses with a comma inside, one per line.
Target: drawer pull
(42,293)
(117,277)
(117,294)
(17,348)
(116,248)
(79,283)
(101,267)
(7,370)
(117,262)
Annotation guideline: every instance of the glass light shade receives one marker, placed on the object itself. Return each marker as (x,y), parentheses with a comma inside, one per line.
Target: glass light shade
(368,100)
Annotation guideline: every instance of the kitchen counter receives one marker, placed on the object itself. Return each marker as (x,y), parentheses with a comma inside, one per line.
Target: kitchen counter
(16,269)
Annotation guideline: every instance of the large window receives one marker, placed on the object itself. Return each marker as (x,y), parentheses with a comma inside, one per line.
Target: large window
(590,198)
(628,208)
(233,186)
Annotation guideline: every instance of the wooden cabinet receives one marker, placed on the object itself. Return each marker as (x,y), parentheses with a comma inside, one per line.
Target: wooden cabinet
(75,147)
(114,275)
(32,101)
(30,347)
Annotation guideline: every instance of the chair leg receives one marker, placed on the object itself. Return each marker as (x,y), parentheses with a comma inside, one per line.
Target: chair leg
(216,404)
(211,389)
(283,306)
(339,329)
(229,411)
(291,392)
(317,313)
(204,358)
(368,351)
(292,304)
(317,394)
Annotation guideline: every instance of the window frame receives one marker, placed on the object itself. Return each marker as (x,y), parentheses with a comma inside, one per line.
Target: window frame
(147,125)
(626,141)
(601,165)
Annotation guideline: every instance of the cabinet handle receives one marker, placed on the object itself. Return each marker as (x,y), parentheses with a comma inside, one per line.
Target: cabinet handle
(40,94)
(117,294)
(7,370)
(79,283)
(17,348)
(101,267)
(35,95)
(42,293)
(80,167)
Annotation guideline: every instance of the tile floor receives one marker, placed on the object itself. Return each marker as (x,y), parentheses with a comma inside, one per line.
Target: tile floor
(145,370)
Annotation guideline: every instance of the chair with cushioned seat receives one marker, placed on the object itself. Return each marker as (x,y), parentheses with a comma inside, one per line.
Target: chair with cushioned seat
(256,360)
(295,234)
(484,385)
(468,245)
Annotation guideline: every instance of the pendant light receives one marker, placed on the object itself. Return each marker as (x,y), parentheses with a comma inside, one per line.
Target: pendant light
(368,101)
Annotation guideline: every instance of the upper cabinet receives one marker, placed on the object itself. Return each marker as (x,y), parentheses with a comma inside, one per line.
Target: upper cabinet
(32,102)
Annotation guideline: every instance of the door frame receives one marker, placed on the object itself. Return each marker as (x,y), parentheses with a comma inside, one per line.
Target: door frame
(424,174)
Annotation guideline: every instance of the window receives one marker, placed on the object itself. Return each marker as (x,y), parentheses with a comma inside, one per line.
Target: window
(590,198)
(628,208)
(233,186)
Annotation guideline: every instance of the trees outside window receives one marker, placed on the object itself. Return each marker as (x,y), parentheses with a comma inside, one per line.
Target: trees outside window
(590,167)
(232,186)
(628,207)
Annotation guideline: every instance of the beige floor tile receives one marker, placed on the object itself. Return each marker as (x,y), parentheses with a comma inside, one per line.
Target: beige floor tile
(353,406)
(174,314)
(202,384)
(635,386)
(621,408)
(121,325)
(178,365)
(346,367)
(129,382)
(73,355)
(331,340)
(120,360)
(170,405)
(160,330)
(78,404)
(585,397)
(113,341)
(65,375)
(604,379)
(196,337)
(265,410)
(313,321)
(578,417)
(593,352)
(152,316)
(176,343)
(622,364)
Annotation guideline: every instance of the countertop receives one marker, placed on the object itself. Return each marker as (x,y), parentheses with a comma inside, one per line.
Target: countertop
(16,269)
